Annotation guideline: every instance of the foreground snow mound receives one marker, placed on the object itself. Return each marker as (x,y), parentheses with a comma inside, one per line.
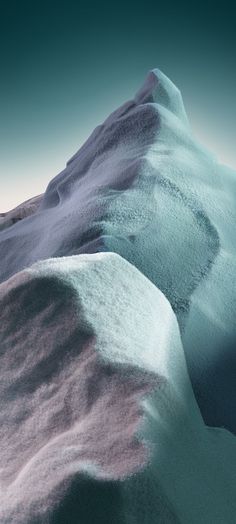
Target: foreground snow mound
(98,419)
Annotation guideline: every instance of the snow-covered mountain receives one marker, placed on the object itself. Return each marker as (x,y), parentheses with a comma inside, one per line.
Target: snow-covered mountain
(117,330)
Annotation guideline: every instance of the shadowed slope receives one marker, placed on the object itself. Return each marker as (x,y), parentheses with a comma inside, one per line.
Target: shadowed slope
(94,390)
(67,409)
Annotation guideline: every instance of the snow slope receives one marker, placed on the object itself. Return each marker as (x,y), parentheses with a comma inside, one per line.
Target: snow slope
(140,187)
(96,390)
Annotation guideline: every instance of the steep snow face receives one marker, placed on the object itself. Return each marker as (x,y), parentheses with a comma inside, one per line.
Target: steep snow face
(102,424)
(141,186)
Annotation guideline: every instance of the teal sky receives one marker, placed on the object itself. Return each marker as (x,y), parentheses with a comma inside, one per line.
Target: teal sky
(65,66)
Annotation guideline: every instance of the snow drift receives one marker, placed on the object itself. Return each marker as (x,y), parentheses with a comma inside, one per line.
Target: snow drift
(113,364)
(81,367)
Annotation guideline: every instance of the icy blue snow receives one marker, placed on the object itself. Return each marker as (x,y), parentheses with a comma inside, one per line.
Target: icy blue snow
(127,414)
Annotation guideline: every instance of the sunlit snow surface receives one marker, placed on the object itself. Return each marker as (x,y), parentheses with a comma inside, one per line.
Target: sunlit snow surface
(117,348)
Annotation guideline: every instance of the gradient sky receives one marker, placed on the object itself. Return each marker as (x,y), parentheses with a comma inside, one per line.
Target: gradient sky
(66,65)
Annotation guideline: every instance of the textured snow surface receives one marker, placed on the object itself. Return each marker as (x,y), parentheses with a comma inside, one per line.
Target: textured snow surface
(113,366)
(95,388)
(27,208)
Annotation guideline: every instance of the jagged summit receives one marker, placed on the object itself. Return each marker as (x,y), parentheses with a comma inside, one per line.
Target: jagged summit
(158,88)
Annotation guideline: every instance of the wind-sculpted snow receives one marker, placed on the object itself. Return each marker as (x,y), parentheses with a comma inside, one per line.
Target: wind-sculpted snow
(96,398)
(116,194)
(94,390)
(24,210)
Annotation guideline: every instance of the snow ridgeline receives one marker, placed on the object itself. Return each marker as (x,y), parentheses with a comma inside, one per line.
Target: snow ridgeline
(97,403)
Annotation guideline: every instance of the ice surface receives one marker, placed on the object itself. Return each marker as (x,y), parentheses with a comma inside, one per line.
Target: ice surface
(94,389)
(143,188)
